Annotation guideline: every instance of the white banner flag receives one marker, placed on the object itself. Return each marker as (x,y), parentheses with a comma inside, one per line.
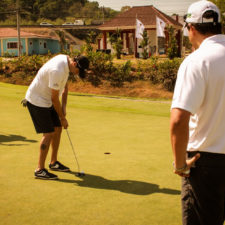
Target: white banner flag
(160,25)
(185,32)
(139,29)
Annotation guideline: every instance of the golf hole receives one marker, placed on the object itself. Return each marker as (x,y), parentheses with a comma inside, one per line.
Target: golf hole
(107,153)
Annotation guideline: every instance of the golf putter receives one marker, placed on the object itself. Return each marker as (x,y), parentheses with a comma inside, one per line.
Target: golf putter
(79,173)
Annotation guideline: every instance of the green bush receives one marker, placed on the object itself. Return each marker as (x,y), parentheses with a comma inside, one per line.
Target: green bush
(155,70)
(1,65)
(172,50)
(29,64)
(167,72)
(120,74)
(151,70)
(100,64)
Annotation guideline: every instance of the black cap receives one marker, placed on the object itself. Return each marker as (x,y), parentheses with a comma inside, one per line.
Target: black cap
(82,65)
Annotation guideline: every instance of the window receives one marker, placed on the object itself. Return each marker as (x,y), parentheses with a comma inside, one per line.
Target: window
(45,45)
(12,45)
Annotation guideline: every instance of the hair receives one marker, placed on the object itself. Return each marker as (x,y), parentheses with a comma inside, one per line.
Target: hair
(209,28)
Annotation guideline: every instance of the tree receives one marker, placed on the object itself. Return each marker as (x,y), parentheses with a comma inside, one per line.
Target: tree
(3,9)
(172,49)
(90,39)
(52,10)
(62,38)
(117,43)
(28,9)
(125,8)
(144,44)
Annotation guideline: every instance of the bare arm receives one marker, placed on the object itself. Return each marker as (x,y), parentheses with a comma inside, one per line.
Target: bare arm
(64,99)
(179,134)
(58,108)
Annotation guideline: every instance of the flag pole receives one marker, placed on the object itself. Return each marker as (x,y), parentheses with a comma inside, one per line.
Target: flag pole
(156,40)
(18,26)
(135,51)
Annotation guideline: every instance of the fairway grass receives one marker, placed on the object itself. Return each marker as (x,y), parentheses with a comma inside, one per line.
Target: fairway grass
(133,185)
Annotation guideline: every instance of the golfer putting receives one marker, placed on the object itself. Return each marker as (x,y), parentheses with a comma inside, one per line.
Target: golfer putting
(48,113)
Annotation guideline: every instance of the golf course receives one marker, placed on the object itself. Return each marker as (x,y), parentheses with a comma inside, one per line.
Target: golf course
(123,147)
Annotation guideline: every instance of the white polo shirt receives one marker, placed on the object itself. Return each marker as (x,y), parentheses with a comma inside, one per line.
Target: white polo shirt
(200,89)
(52,75)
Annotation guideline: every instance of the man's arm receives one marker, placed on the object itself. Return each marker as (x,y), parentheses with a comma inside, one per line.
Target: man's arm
(58,108)
(179,133)
(64,99)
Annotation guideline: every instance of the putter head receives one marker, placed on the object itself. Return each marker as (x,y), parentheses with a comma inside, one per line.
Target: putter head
(80,174)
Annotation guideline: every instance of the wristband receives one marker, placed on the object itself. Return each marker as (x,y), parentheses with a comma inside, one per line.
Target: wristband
(182,169)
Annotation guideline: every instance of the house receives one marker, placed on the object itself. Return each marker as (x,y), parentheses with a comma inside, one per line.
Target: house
(126,23)
(72,43)
(30,43)
(37,41)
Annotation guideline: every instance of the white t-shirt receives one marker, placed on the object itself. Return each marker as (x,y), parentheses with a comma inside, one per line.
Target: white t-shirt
(52,75)
(200,89)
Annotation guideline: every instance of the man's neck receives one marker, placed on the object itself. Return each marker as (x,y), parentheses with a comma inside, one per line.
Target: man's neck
(69,62)
(200,38)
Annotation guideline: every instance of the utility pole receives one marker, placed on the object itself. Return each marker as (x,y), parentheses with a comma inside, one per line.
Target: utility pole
(103,10)
(18,26)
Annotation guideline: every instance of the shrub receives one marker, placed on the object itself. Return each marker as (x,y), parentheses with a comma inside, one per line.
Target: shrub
(167,72)
(151,70)
(100,64)
(172,50)
(28,64)
(144,44)
(117,43)
(120,74)
(1,65)
(102,68)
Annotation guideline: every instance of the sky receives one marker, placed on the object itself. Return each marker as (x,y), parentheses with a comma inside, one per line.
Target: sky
(167,6)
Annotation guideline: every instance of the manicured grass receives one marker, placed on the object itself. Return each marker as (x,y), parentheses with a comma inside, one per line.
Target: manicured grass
(134,185)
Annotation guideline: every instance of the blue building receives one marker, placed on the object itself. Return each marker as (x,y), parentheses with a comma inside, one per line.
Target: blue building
(31,43)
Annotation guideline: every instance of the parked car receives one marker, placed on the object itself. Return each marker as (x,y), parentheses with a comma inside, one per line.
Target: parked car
(96,22)
(68,24)
(79,22)
(45,24)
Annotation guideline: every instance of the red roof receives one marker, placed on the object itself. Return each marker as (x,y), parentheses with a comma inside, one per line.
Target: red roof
(11,32)
(146,14)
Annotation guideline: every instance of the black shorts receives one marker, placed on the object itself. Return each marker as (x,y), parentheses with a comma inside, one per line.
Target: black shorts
(203,193)
(44,119)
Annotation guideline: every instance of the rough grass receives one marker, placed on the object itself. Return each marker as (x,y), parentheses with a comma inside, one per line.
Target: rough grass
(138,89)
(134,185)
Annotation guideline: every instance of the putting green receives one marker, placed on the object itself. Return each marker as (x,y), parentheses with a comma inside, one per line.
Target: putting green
(133,185)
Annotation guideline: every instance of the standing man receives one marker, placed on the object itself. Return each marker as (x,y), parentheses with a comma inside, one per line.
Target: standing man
(47,112)
(197,123)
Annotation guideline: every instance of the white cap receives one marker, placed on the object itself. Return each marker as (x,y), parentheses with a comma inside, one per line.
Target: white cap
(197,9)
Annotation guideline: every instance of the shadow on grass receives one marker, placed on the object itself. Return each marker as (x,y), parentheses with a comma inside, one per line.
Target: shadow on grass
(126,186)
(6,139)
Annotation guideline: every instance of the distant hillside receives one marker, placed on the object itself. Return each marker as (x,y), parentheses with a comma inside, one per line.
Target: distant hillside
(54,12)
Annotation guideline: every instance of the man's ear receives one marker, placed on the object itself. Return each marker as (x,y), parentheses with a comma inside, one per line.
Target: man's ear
(192,29)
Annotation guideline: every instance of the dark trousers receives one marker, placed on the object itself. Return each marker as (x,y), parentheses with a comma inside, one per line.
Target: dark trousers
(203,193)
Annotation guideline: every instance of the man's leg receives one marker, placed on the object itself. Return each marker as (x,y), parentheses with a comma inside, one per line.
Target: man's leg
(44,147)
(203,196)
(55,141)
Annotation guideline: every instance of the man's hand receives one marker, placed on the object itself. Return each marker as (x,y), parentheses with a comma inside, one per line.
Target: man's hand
(64,123)
(185,171)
